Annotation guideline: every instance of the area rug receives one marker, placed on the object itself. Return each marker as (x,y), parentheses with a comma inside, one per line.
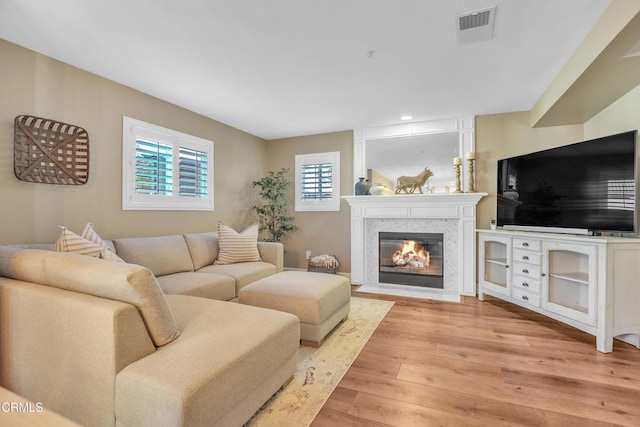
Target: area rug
(320,370)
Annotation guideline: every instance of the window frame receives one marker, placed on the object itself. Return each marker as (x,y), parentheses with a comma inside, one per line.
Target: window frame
(134,129)
(332,204)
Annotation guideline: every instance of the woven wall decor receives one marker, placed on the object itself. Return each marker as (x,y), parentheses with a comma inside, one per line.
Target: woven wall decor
(50,152)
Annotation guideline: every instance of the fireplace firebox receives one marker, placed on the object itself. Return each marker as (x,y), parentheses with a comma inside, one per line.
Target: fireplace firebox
(414,259)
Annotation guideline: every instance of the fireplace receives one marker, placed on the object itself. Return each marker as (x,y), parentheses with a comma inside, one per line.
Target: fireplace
(452,214)
(413,259)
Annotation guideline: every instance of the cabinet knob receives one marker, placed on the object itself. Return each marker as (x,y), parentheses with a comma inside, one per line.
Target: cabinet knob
(506,266)
(525,284)
(543,274)
(525,244)
(525,271)
(526,258)
(524,297)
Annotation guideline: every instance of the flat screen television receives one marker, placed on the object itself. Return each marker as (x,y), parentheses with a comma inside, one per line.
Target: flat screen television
(581,188)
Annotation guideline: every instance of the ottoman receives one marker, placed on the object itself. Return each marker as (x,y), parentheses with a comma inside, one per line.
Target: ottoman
(320,300)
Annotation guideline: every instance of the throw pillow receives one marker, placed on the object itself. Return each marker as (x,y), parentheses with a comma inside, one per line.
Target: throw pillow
(90,234)
(68,241)
(237,247)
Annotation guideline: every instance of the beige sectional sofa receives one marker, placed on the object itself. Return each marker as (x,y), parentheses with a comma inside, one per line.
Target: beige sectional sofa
(107,343)
(175,260)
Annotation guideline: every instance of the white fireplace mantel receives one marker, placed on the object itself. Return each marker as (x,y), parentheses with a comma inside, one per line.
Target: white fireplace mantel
(454,214)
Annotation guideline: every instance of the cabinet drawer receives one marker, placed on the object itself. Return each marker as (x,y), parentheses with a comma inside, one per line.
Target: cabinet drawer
(526,283)
(526,270)
(529,257)
(532,245)
(526,297)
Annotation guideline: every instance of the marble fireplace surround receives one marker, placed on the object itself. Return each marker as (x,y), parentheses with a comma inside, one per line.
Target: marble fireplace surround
(452,214)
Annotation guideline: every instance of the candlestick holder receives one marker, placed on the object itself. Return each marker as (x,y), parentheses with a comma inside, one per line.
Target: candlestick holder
(458,189)
(472,184)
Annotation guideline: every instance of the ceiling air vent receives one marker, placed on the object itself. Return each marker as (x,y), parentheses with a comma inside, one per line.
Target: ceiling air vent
(475,26)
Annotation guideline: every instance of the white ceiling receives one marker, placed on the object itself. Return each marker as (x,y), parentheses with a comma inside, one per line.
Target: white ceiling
(285,68)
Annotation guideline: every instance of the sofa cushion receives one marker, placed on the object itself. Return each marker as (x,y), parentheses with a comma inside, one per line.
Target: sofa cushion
(225,352)
(205,285)
(243,273)
(237,247)
(118,281)
(203,248)
(162,255)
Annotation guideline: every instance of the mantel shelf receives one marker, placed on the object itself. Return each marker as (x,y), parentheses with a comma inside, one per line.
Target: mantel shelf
(416,199)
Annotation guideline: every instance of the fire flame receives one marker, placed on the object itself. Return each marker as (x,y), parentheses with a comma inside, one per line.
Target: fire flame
(411,256)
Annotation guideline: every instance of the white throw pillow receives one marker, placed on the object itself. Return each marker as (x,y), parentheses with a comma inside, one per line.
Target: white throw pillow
(237,247)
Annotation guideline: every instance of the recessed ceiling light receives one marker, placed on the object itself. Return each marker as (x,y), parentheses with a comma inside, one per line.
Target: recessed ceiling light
(406,117)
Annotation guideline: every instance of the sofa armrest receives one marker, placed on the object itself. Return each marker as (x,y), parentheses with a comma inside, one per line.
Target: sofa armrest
(273,253)
(64,348)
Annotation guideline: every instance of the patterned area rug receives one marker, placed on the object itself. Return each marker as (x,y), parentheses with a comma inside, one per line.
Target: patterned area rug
(320,372)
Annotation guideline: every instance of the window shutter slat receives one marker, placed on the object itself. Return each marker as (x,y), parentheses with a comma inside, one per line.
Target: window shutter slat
(317,181)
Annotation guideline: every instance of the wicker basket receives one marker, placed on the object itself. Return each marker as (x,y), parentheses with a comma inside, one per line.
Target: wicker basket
(322,267)
(50,152)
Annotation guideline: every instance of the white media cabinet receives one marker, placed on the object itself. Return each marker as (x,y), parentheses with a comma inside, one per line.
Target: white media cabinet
(591,283)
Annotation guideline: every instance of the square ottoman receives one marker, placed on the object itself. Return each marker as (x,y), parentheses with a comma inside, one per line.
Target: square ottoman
(320,300)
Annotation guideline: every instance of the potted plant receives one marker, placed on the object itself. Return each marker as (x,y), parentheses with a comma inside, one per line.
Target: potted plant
(272,212)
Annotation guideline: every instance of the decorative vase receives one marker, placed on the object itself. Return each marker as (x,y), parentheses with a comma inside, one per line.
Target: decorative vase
(362,187)
(378,189)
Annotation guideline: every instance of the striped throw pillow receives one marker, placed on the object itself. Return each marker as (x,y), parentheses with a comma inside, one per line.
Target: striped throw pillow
(71,242)
(237,247)
(90,234)
(88,244)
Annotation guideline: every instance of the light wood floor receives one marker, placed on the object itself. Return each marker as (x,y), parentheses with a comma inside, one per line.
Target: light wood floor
(486,363)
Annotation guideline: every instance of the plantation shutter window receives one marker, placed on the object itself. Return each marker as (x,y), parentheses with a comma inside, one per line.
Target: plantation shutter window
(318,182)
(163,169)
(154,168)
(193,173)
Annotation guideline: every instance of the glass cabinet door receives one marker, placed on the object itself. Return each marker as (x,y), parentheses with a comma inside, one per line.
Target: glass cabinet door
(495,258)
(569,281)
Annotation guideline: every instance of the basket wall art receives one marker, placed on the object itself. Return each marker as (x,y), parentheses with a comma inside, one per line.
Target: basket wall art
(50,152)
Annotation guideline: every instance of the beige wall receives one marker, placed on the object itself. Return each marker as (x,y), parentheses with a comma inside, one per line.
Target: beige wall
(621,116)
(319,232)
(504,135)
(37,85)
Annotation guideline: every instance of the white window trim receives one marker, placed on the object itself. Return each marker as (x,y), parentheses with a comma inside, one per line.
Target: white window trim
(131,130)
(332,204)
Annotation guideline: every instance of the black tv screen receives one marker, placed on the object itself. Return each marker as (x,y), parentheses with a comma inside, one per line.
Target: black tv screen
(589,186)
